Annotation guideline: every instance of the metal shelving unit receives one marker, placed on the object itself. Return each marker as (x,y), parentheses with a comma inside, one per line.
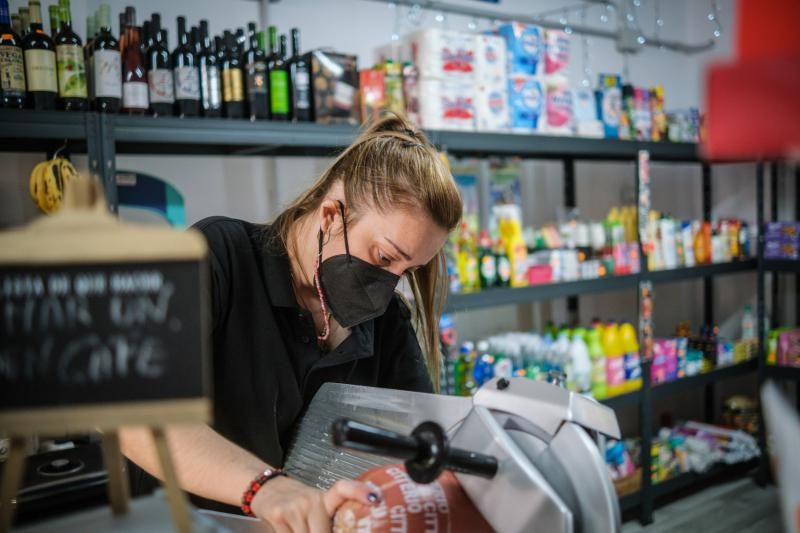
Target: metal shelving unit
(684,481)
(104,136)
(718,374)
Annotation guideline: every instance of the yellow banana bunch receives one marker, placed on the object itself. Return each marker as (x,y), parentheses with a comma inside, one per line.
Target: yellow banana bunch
(48,180)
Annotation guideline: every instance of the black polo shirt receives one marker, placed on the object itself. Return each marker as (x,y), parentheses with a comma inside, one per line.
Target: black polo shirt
(267,365)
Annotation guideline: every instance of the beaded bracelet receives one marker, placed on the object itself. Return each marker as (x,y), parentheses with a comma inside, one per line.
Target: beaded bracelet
(255,486)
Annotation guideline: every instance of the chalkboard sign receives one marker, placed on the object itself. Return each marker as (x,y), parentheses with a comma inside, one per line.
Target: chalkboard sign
(100,334)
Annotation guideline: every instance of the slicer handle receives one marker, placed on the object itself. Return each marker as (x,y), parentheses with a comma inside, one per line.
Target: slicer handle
(365,438)
(466,462)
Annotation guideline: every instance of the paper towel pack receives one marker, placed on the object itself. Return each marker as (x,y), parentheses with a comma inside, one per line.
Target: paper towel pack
(490,59)
(525,46)
(446,105)
(443,54)
(526,103)
(558,106)
(491,106)
(556,52)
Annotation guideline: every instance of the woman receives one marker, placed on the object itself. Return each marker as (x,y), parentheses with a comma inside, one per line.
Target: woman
(308,300)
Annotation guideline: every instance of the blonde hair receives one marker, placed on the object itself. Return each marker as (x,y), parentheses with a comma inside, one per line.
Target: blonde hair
(392,165)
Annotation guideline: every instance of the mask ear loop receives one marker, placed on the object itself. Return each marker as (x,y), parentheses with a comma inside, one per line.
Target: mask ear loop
(326,316)
(344,228)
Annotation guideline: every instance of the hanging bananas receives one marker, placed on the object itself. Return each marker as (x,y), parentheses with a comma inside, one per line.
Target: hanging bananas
(48,180)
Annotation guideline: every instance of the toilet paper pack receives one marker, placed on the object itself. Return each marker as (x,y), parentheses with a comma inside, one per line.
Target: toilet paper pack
(525,46)
(526,103)
(443,54)
(491,106)
(490,59)
(556,52)
(558,106)
(446,105)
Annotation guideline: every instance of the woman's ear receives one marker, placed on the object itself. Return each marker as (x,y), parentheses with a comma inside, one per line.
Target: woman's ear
(328,210)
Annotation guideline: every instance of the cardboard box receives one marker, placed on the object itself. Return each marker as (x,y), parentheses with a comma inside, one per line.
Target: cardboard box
(334,87)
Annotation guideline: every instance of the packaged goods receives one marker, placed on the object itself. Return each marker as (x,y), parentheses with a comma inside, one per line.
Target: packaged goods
(556,53)
(609,104)
(526,103)
(446,105)
(491,106)
(525,45)
(490,59)
(372,93)
(334,87)
(443,54)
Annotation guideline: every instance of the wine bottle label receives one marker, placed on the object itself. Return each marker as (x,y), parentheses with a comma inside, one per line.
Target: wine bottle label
(12,70)
(134,95)
(107,73)
(187,83)
(210,87)
(257,79)
(40,70)
(160,83)
(232,87)
(71,71)
(302,89)
(279,91)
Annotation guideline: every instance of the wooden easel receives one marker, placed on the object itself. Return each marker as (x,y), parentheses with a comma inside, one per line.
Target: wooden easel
(84,233)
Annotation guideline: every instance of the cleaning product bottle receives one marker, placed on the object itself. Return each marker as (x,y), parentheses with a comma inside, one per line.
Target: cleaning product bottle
(503,264)
(516,249)
(464,369)
(748,323)
(702,253)
(630,347)
(615,360)
(487,262)
(580,379)
(467,260)
(598,358)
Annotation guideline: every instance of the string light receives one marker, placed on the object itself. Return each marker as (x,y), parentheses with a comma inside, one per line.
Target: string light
(713,17)
(396,14)
(415,15)
(587,71)
(659,23)
(472,25)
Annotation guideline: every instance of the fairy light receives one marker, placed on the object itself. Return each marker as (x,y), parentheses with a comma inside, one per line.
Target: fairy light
(394,12)
(472,25)
(586,82)
(713,17)
(659,23)
(415,15)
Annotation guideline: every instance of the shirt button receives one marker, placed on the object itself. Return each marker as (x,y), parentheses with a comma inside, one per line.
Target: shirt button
(306,339)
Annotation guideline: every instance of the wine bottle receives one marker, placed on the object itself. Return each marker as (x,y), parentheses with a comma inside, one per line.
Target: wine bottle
(159,76)
(25,20)
(186,75)
(69,62)
(134,75)
(278,80)
(123,37)
(299,82)
(40,63)
(16,24)
(210,80)
(232,83)
(241,40)
(147,37)
(106,65)
(12,64)
(88,49)
(255,64)
(55,20)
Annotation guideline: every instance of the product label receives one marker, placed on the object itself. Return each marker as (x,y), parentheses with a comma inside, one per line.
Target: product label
(302,93)
(488,268)
(187,83)
(107,74)
(40,70)
(134,95)
(160,84)
(210,87)
(12,70)
(71,71)
(232,87)
(279,92)
(257,78)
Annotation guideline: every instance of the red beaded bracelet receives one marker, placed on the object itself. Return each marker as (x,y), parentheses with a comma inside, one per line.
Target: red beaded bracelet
(256,485)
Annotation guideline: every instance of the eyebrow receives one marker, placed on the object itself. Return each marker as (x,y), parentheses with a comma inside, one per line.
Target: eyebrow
(401,252)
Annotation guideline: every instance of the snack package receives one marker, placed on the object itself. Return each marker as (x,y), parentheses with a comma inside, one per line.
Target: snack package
(525,45)
(491,106)
(409,507)
(443,54)
(609,104)
(556,52)
(526,103)
(372,94)
(334,87)
(490,59)
(446,105)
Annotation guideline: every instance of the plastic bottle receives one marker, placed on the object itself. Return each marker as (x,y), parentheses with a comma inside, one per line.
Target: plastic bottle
(487,262)
(598,358)
(748,323)
(615,360)
(503,264)
(580,379)
(467,260)
(702,252)
(516,249)
(630,347)
(464,370)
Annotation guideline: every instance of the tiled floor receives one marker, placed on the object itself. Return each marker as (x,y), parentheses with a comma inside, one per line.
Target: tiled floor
(738,506)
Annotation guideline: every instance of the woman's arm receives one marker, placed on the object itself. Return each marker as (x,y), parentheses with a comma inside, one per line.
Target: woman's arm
(209,465)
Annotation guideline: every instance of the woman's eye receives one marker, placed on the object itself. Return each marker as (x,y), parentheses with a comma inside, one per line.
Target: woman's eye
(385,261)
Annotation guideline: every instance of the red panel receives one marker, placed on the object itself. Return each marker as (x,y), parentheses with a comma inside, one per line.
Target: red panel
(767,28)
(753,109)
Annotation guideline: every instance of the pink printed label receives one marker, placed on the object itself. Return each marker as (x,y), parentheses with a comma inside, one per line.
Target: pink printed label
(615,370)
(559,107)
(556,51)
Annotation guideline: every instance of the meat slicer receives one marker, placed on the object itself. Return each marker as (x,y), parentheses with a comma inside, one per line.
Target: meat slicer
(523,450)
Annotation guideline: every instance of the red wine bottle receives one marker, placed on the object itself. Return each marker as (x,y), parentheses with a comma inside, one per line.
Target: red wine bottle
(106,66)
(40,63)
(134,74)
(12,64)
(210,78)
(255,64)
(159,76)
(186,75)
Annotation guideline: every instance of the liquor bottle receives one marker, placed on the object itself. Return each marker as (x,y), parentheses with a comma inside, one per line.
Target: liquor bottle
(88,49)
(16,24)
(219,49)
(299,82)
(25,20)
(186,75)
(55,20)
(40,63)
(106,65)
(123,30)
(12,64)
(278,80)
(255,64)
(147,37)
(70,64)
(159,75)
(232,82)
(210,80)
(241,40)
(134,76)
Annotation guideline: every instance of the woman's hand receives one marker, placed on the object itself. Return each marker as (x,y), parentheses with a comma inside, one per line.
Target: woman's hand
(290,506)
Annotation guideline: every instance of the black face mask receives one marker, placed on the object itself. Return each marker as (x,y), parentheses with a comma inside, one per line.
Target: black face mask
(354,290)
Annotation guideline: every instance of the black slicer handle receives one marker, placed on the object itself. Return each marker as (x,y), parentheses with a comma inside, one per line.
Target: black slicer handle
(366,438)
